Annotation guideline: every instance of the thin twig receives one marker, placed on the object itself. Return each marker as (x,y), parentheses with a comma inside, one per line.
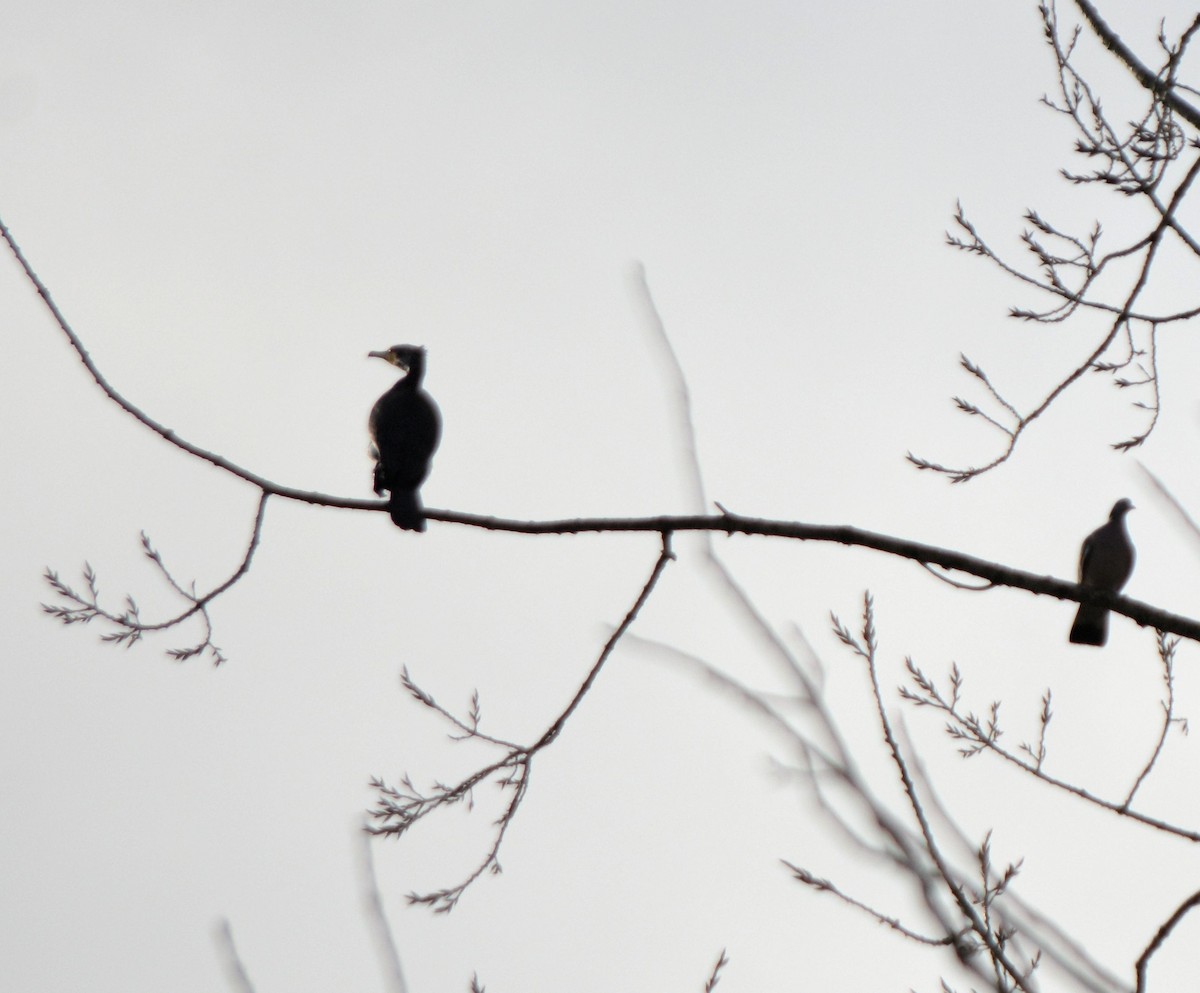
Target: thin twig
(714,977)
(984,735)
(389,954)
(1135,164)
(235,971)
(1166,654)
(1019,978)
(83,608)
(677,384)
(1065,951)
(1163,933)
(1190,522)
(825,886)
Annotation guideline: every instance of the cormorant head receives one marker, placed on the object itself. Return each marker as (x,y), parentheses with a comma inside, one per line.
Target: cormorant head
(1121,508)
(410,358)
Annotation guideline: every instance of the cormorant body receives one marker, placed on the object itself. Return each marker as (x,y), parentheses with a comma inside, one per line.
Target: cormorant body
(405,428)
(1105,562)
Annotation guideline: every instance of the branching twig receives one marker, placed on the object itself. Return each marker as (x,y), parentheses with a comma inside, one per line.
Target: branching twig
(1065,951)
(984,734)
(1166,654)
(82,608)
(964,900)
(832,760)
(714,977)
(825,886)
(1038,752)
(1134,162)
(399,808)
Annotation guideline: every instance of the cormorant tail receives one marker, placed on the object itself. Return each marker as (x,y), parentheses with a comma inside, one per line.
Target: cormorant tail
(405,508)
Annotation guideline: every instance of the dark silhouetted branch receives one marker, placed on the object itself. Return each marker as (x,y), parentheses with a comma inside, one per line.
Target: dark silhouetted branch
(82,608)
(981,734)
(399,808)
(1163,933)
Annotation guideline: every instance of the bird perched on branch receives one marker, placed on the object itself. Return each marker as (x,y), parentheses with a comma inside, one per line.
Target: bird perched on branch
(1105,562)
(405,428)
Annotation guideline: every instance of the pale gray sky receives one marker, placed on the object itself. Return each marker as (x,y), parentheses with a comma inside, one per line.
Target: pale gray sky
(233,204)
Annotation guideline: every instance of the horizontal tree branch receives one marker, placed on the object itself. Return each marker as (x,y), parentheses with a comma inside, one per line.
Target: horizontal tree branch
(1141,613)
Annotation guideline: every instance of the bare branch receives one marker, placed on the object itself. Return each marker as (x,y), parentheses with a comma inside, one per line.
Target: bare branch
(1188,520)
(714,977)
(235,971)
(825,886)
(1052,941)
(725,522)
(1143,614)
(266,485)
(1018,977)
(1141,73)
(1136,162)
(399,808)
(1163,933)
(984,735)
(130,628)
(1166,654)
(677,384)
(388,952)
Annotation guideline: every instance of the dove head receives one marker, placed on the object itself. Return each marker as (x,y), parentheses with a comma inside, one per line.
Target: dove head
(1120,509)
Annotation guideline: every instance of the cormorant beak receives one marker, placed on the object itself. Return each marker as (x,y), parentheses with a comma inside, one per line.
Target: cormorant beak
(391,357)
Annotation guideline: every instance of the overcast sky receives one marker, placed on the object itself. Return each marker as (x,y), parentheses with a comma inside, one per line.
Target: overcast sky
(233,203)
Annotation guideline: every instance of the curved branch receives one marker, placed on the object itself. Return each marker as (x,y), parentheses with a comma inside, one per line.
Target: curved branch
(199,603)
(266,485)
(1136,165)
(1143,614)
(970,588)
(1152,244)
(1163,932)
(235,970)
(82,608)
(399,808)
(825,886)
(1166,654)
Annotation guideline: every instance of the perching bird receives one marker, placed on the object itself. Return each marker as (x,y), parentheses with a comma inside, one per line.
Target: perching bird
(1105,562)
(405,428)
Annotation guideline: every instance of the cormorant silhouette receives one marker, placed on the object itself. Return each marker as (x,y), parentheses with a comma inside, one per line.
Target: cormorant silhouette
(405,428)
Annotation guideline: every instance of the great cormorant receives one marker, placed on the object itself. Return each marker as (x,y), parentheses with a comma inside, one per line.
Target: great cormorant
(405,429)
